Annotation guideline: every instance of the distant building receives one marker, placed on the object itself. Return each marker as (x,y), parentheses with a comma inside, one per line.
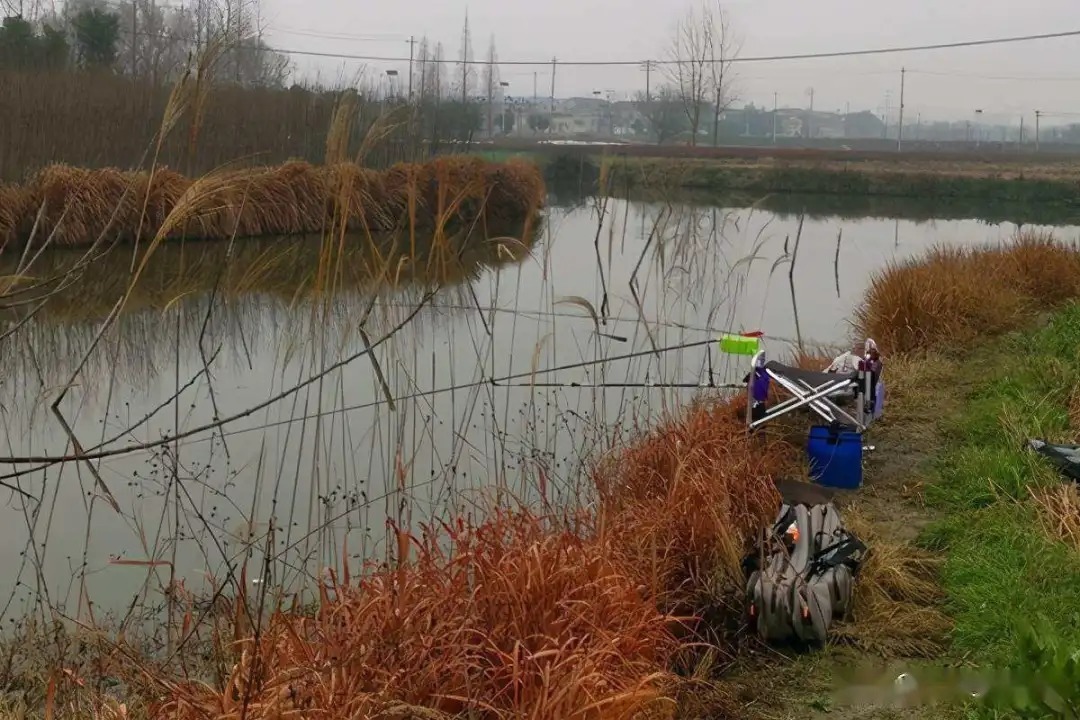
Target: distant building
(863,124)
(582,116)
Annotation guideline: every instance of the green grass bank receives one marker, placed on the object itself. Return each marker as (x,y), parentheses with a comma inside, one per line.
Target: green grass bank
(987,182)
(1011,574)
(938,182)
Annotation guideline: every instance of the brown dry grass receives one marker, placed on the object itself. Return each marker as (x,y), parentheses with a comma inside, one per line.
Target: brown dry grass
(816,359)
(685,502)
(1059,511)
(295,198)
(521,617)
(1074,412)
(510,618)
(13,202)
(953,296)
(520,620)
(898,606)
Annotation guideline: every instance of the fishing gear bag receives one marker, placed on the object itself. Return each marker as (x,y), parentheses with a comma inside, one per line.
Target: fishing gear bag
(801,576)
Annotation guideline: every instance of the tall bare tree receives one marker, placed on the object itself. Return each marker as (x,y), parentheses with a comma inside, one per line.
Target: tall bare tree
(725,48)
(437,77)
(491,83)
(663,113)
(420,70)
(466,72)
(155,39)
(701,50)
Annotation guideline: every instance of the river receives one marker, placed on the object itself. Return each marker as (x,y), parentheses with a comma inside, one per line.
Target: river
(323,444)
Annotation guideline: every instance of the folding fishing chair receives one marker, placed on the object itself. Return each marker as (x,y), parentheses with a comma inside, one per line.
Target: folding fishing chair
(818,392)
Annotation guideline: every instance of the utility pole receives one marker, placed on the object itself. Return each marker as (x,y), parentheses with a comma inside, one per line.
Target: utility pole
(648,81)
(553,63)
(888,98)
(900,132)
(412,41)
(1038,115)
(534,87)
(1021,143)
(810,117)
(774,109)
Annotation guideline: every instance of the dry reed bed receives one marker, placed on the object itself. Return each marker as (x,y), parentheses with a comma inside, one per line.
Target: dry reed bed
(514,619)
(687,499)
(522,617)
(952,296)
(80,205)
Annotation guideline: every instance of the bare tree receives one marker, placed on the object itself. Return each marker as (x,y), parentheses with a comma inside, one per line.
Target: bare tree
(701,49)
(437,78)
(420,69)
(663,113)
(30,10)
(491,83)
(248,60)
(725,48)
(155,39)
(466,73)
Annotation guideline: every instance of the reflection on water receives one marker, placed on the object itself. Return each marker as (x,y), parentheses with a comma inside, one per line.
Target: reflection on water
(500,387)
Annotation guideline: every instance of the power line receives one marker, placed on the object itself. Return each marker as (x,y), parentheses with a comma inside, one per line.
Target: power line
(979,76)
(338,36)
(751,59)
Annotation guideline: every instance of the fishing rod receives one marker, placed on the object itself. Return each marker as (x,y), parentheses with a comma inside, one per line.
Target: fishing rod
(646,385)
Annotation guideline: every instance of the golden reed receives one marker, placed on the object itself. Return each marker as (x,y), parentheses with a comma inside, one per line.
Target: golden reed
(77,206)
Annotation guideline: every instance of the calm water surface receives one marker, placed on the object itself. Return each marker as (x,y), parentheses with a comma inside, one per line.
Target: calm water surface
(313,477)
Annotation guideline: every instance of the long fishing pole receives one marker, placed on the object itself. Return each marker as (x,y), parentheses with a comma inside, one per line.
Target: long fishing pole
(98,452)
(647,385)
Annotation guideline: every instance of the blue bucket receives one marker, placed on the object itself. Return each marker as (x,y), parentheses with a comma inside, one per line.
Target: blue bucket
(835,456)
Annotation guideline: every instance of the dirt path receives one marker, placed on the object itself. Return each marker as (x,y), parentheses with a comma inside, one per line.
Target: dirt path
(923,397)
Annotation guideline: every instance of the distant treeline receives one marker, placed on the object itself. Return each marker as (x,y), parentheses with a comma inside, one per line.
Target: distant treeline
(100,119)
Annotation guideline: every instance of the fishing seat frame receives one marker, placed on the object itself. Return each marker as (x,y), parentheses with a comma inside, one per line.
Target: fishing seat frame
(818,392)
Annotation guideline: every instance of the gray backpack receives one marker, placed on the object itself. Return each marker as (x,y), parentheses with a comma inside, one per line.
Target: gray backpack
(801,577)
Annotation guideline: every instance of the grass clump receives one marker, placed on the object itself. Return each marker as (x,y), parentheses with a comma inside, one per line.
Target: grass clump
(685,502)
(295,198)
(519,616)
(1059,510)
(13,202)
(509,618)
(899,602)
(956,295)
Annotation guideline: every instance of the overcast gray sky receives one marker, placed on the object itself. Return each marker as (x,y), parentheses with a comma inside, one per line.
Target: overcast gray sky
(1005,81)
